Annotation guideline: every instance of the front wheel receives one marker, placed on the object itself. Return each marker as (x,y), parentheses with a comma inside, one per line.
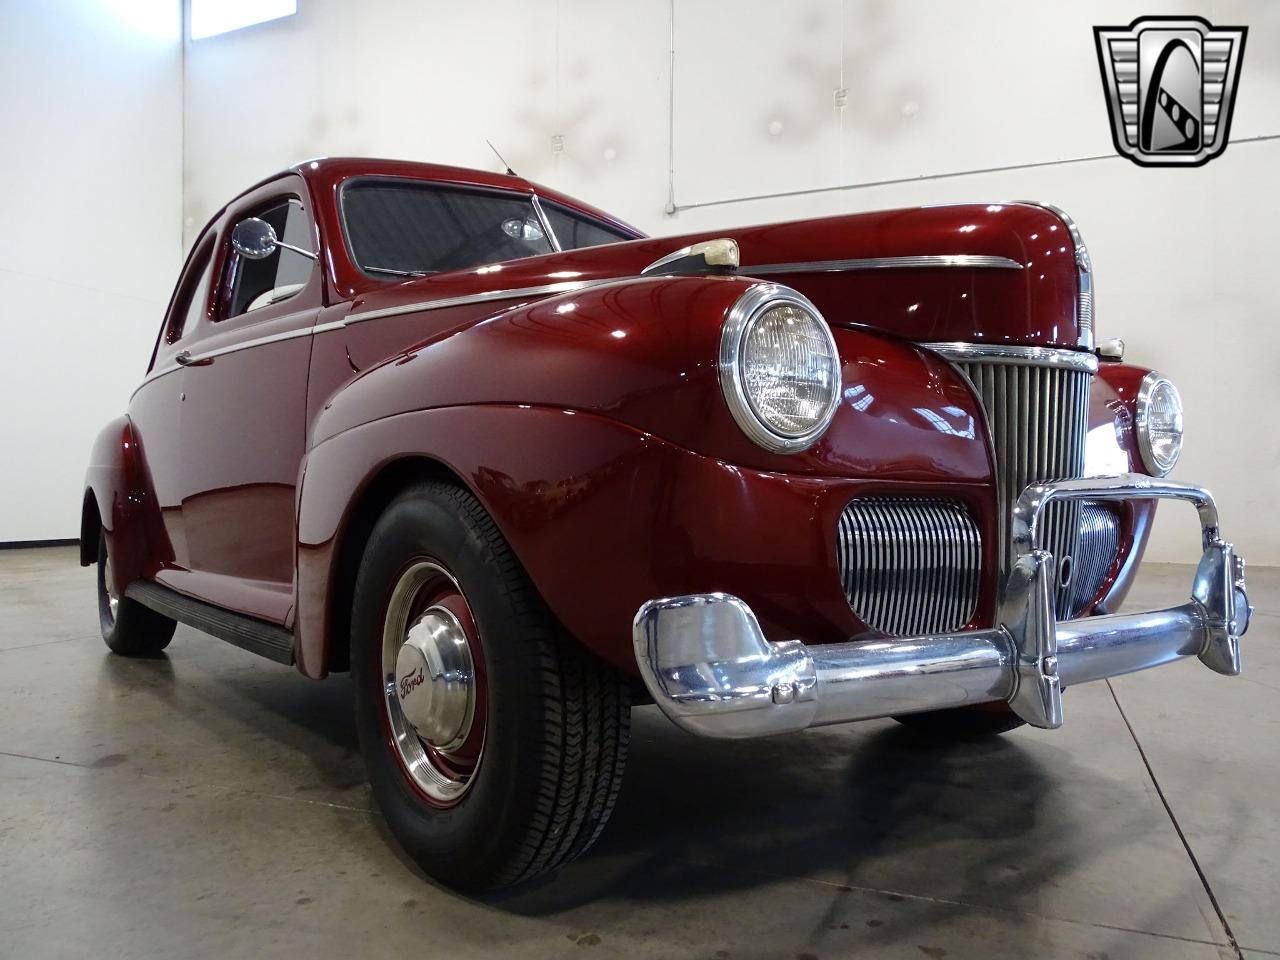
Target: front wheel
(494,743)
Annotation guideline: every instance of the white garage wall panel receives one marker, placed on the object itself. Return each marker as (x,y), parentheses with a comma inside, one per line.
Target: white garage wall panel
(434,80)
(992,99)
(90,240)
(828,93)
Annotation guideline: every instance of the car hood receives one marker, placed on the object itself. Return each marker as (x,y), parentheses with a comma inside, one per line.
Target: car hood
(989,273)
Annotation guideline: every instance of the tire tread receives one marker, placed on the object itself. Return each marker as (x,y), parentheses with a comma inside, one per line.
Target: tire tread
(586,709)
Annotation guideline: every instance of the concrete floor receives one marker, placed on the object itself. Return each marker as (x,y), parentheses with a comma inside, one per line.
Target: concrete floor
(212,804)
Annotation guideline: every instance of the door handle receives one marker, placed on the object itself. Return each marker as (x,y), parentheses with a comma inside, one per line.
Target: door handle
(184,360)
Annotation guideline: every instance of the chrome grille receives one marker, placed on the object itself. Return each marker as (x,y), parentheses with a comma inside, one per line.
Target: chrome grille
(910,565)
(1084,315)
(1095,553)
(1038,416)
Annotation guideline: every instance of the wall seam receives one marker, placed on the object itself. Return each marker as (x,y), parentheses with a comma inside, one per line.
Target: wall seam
(925,177)
(184,17)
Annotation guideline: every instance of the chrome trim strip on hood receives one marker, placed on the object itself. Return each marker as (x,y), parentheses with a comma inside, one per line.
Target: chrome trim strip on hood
(811,266)
(973,261)
(1009,353)
(515,293)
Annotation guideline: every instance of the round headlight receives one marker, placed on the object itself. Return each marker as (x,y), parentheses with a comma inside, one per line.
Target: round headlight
(1159,425)
(779,368)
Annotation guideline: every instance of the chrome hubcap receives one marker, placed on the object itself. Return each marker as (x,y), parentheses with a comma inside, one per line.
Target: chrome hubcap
(109,584)
(434,679)
(432,688)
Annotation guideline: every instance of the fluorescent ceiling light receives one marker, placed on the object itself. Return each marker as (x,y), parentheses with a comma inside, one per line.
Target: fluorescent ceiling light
(212,17)
(160,19)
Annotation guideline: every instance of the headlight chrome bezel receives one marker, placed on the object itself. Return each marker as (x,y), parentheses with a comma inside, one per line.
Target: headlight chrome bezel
(1142,425)
(752,305)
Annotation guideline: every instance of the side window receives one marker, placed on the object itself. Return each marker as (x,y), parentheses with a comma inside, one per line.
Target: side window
(575,231)
(193,300)
(260,283)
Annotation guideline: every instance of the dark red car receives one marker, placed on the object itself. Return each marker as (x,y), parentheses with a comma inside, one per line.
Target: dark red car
(515,467)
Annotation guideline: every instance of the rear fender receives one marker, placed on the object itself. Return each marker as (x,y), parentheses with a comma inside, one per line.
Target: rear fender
(118,499)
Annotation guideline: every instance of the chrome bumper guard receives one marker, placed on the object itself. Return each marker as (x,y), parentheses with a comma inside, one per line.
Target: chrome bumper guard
(711,670)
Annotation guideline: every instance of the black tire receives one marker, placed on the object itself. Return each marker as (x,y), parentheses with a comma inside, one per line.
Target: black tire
(964,723)
(131,630)
(557,720)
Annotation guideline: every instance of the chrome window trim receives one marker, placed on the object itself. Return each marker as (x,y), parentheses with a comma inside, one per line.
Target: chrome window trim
(974,261)
(750,305)
(1142,414)
(1009,353)
(546,224)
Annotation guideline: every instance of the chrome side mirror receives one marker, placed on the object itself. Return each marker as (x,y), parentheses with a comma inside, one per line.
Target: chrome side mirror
(254,238)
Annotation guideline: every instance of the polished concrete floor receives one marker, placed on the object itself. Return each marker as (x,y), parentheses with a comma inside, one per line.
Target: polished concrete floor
(211,804)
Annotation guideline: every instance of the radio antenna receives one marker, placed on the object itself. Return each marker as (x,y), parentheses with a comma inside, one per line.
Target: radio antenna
(510,172)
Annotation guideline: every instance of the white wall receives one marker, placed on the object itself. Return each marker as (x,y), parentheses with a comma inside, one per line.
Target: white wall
(576,93)
(90,238)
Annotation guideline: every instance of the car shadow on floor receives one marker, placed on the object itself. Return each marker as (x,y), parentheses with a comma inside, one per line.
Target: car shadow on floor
(871,807)
(876,810)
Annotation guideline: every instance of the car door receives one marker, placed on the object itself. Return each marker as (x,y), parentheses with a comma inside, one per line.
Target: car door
(243,415)
(156,407)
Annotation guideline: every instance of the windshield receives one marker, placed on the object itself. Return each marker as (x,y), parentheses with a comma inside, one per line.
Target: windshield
(402,228)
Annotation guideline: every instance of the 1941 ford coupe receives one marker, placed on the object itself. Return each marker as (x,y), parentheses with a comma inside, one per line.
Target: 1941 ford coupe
(515,467)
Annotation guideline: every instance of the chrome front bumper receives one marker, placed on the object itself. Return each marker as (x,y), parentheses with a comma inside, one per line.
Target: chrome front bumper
(711,670)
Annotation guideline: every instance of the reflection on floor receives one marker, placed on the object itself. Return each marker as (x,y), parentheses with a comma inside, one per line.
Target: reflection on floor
(211,804)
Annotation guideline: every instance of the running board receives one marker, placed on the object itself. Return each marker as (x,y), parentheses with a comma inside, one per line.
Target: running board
(257,636)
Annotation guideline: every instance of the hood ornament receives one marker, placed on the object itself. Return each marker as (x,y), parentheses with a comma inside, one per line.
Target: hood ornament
(707,256)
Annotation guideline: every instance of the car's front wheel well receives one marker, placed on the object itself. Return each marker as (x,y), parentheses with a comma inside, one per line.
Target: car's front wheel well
(90,529)
(372,501)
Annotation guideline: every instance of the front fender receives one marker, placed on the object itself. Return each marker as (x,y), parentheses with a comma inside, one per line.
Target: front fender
(603,517)
(1111,448)
(645,353)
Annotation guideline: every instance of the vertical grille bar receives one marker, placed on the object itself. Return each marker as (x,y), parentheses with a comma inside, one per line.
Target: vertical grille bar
(1038,417)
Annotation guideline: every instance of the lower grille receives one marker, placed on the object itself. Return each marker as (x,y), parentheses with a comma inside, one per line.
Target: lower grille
(910,565)
(1096,552)
(1038,417)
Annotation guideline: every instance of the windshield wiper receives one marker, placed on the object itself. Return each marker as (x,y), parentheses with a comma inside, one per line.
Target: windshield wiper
(400,273)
